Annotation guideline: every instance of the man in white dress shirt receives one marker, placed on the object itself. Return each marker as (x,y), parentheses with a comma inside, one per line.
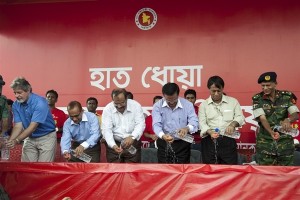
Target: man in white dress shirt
(122,119)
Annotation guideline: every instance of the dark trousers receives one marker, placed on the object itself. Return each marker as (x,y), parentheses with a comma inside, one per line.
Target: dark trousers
(225,152)
(181,149)
(125,156)
(94,152)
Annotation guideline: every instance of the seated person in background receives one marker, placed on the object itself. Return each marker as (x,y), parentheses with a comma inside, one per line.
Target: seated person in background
(149,135)
(191,96)
(122,120)
(81,133)
(92,105)
(58,115)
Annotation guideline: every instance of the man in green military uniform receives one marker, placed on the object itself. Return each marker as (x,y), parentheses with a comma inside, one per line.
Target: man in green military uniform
(272,107)
(3,110)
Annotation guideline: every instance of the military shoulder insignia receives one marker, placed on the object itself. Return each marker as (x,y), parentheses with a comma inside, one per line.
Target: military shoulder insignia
(257,96)
(255,106)
(285,92)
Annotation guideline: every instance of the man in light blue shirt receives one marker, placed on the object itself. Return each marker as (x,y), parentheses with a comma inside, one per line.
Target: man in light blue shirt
(81,133)
(173,113)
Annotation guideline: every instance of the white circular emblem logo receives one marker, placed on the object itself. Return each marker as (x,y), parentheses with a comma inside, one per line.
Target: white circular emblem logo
(146,19)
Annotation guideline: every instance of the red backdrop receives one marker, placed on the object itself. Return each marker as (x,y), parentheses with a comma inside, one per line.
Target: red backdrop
(59,45)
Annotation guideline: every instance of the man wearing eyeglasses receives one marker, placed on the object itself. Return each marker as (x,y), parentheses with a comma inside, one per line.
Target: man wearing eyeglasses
(122,120)
(81,133)
(173,113)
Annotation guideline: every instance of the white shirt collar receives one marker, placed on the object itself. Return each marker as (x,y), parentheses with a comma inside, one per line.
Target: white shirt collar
(178,105)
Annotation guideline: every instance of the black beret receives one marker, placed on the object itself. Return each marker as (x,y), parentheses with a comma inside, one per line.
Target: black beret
(267,77)
(1,81)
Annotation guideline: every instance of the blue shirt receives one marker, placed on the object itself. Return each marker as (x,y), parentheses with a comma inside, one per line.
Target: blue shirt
(86,132)
(167,120)
(35,109)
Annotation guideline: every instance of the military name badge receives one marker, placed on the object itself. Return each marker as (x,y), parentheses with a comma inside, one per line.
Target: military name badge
(255,106)
(146,19)
(266,106)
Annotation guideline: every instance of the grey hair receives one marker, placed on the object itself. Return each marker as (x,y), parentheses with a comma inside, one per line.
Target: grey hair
(21,83)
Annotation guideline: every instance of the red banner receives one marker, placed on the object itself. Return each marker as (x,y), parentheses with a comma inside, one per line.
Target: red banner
(84,49)
(147,181)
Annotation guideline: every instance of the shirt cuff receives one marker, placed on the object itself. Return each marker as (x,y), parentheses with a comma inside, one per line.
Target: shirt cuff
(85,145)
(136,136)
(191,128)
(293,109)
(66,151)
(258,112)
(111,144)
(161,134)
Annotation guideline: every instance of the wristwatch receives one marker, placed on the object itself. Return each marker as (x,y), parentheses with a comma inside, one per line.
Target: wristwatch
(133,137)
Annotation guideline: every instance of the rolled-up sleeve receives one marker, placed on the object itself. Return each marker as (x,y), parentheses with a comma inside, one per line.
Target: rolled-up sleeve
(293,109)
(258,112)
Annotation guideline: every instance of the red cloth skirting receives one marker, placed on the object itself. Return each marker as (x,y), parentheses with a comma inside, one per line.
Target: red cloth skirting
(147,181)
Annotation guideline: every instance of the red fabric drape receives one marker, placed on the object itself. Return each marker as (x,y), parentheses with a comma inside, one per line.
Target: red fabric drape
(147,181)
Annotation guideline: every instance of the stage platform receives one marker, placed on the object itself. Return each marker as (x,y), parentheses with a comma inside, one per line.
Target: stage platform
(35,181)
